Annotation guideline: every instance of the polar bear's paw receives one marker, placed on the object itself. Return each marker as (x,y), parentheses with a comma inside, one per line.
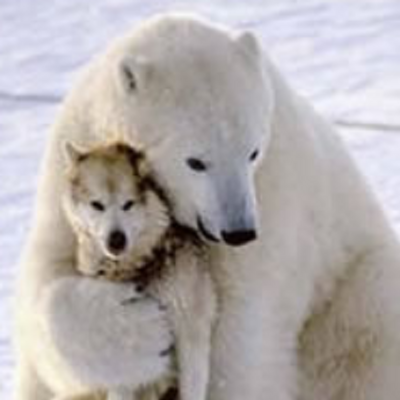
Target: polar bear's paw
(154,350)
(108,333)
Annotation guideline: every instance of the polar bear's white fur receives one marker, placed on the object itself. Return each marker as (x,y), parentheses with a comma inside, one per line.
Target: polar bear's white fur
(307,311)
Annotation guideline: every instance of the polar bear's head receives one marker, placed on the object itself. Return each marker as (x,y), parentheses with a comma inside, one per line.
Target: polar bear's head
(196,98)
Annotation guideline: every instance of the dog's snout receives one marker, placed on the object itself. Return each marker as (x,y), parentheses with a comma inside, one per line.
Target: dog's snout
(237,238)
(116,242)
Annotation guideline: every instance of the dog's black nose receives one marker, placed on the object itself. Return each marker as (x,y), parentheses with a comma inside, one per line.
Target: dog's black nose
(116,242)
(237,238)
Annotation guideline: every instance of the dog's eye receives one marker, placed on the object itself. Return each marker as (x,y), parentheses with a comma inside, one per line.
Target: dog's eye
(128,205)
(97,205)
(254,155)
(196,164)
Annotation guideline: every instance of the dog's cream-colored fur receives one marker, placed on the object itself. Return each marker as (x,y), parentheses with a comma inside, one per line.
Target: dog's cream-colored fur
(307,311)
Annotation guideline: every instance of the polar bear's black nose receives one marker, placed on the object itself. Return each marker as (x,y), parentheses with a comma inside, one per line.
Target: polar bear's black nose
(237,238)
(116,242)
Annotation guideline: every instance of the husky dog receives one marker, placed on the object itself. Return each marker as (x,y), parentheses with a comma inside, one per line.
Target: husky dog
(125,232)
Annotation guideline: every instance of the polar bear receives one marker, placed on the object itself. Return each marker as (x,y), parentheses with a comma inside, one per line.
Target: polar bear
(305,264)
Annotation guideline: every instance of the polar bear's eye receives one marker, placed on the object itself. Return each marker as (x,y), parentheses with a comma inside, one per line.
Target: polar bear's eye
(196,164)
(128,205)
(97,205)
(254,155)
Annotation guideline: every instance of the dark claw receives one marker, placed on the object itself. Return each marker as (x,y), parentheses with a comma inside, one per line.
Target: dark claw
(131,300)
(162,307)
(140,288)
(170,394)
(167,351)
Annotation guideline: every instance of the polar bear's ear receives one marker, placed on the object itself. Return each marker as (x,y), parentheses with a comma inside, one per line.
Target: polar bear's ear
(248,43)
(72,154)
(133,72)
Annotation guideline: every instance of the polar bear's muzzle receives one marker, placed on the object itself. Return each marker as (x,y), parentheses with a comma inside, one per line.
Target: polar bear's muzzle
(232,238)
(240,229)
(235,224)
(237,208)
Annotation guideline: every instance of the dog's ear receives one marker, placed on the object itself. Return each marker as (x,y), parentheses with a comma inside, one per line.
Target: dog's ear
(73,155)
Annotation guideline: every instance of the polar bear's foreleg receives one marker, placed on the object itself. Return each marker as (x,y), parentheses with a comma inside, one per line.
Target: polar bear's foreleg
(193,343)
(351,349)
(194,363)
(253,356)
(105,334)
(191,301)
(121,394)
(28,385)
(86,396)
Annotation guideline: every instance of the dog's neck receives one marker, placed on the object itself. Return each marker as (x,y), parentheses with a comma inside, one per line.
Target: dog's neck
(156,261)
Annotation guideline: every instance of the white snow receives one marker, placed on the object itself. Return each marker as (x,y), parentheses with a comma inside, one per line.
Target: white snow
(343,55)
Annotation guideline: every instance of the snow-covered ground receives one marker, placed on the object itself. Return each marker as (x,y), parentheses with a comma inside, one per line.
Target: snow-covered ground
(343,55)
